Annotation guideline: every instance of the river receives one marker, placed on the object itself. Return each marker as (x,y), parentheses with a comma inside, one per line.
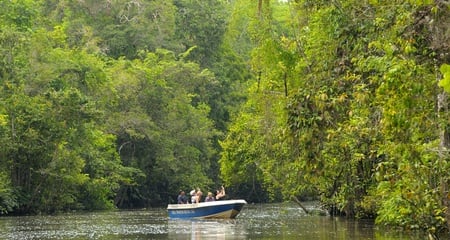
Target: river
(256,221)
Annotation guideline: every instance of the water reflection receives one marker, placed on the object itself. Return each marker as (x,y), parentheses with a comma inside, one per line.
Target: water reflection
(206,229)
(290,222)
(93,225)
(266,221)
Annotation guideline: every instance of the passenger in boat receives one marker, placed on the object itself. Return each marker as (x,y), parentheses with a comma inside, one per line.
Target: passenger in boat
(220,193)
(193,196)
(210,197)
(182,197)
(199,195)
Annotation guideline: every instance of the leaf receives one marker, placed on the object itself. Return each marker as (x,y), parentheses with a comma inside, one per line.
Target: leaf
(445,82)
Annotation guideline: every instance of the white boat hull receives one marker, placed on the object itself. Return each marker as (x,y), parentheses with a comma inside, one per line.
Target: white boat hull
(216,209)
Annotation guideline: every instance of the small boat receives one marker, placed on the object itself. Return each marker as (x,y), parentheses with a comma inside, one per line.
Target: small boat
(216,209)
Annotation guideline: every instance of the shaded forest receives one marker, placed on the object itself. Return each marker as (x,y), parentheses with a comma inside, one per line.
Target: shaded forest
(120,104)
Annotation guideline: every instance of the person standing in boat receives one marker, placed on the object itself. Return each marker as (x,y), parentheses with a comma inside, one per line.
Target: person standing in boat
(182,197)
(220,193)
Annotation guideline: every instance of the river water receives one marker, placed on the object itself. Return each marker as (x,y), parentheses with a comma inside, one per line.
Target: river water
(256,221)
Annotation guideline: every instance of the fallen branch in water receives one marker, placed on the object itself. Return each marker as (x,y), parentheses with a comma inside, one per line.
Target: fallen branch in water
(295,199)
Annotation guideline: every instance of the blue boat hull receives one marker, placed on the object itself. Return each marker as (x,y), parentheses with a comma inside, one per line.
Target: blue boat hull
(217,209)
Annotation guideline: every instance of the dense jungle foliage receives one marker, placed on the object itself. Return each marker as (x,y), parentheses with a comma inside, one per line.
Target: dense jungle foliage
(112,103)
(123,103)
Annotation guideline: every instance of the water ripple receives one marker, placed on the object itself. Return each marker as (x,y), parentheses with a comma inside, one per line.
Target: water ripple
(256,221)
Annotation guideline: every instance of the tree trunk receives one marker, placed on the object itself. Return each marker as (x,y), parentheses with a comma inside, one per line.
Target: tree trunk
(260,8)
(444,146)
